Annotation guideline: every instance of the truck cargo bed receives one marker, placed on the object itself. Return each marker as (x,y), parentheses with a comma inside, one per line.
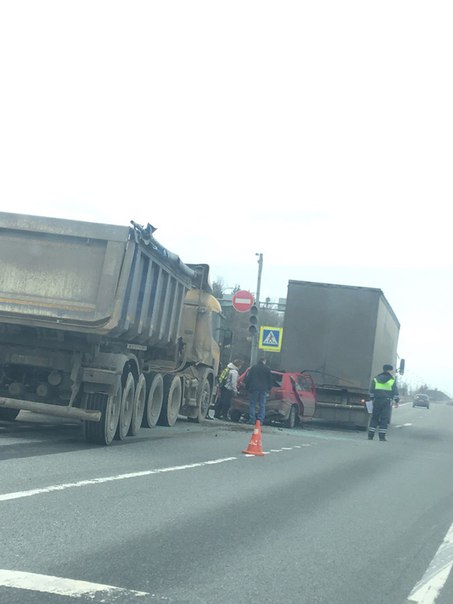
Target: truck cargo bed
(90,278)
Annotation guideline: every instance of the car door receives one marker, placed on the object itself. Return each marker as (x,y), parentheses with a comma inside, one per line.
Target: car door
(274,399)
(305,392)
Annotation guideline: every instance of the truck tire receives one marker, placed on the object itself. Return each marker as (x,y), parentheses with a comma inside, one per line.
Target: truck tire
(172,400)
(127,408)
(203,400)
(139,406)
(8,415)
(292,417)
(102,432)
(155,387)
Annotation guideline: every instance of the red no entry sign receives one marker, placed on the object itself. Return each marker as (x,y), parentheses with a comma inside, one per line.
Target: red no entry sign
(243,300)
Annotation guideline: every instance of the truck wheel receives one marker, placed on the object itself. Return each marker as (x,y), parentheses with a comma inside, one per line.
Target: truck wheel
(102,432)
(172,401)
(8,415)
(203,400)
(235,415)
(139,406)
(127,407)
(155,386)
(292,417)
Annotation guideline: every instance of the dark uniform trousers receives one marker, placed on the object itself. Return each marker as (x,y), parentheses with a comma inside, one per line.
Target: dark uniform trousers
(223,404)
(380,417)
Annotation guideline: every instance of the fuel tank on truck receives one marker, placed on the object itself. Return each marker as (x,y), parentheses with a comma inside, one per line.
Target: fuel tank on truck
(341,334)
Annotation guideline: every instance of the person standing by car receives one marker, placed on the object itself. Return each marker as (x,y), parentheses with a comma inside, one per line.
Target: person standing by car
(258,382)
(228,387)
(383,390)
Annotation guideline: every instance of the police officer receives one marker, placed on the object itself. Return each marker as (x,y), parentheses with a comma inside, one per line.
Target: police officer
(383,390)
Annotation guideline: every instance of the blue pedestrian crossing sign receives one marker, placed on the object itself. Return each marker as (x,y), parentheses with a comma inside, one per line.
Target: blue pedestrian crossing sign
(270,338)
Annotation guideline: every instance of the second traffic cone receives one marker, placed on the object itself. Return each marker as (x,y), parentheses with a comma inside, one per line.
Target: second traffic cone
(254,446)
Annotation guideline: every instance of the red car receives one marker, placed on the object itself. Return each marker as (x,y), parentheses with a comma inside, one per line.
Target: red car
(291,400)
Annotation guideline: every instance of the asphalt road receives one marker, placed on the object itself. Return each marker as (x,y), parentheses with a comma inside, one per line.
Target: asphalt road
(181,515)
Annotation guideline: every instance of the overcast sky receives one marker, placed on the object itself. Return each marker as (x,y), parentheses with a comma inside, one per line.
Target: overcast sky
(317,133)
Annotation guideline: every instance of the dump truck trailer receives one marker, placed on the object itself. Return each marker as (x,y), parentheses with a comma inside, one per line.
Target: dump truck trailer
(102,324)
(341,335)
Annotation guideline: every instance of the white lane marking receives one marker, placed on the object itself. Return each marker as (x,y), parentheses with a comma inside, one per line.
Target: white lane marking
(402,425)
(430,585)
(84,483)
(57,585)
(91,481)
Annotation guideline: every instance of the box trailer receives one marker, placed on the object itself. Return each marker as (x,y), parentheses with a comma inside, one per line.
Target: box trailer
(342,335)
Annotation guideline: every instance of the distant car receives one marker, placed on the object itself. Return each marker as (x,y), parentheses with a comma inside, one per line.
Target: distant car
(421,400)
(291,399)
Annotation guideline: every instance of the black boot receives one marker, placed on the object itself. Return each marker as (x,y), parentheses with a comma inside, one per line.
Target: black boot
(370,435)
(382,438)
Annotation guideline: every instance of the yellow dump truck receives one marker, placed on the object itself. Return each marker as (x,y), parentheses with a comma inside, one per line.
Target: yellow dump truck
(102,324)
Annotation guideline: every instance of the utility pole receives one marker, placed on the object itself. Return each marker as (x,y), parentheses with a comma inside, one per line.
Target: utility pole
(254,351)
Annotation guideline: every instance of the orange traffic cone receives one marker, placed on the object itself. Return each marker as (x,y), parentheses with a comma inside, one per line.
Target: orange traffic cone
(254,446)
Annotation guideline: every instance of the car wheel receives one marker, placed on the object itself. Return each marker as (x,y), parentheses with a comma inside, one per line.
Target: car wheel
(292,417)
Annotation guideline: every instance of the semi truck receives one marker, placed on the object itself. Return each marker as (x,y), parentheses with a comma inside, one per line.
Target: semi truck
(101,323)
(341,335)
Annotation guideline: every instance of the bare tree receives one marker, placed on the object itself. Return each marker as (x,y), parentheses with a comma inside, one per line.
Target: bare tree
(218,288)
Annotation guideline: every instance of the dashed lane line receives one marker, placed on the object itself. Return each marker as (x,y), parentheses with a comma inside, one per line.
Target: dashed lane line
(62,587)
(104,479)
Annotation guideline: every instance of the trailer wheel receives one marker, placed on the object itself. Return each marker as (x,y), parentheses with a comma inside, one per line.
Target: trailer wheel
(153,407)
(292,417)
(8,415)
(139,406)
(172,401)
(102,432)
(127,408)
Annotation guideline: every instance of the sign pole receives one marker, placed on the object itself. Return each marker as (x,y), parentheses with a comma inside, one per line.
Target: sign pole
(254,350)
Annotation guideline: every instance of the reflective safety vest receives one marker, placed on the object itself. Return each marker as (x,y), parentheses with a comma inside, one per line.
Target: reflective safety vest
(388,386)
(223,378)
